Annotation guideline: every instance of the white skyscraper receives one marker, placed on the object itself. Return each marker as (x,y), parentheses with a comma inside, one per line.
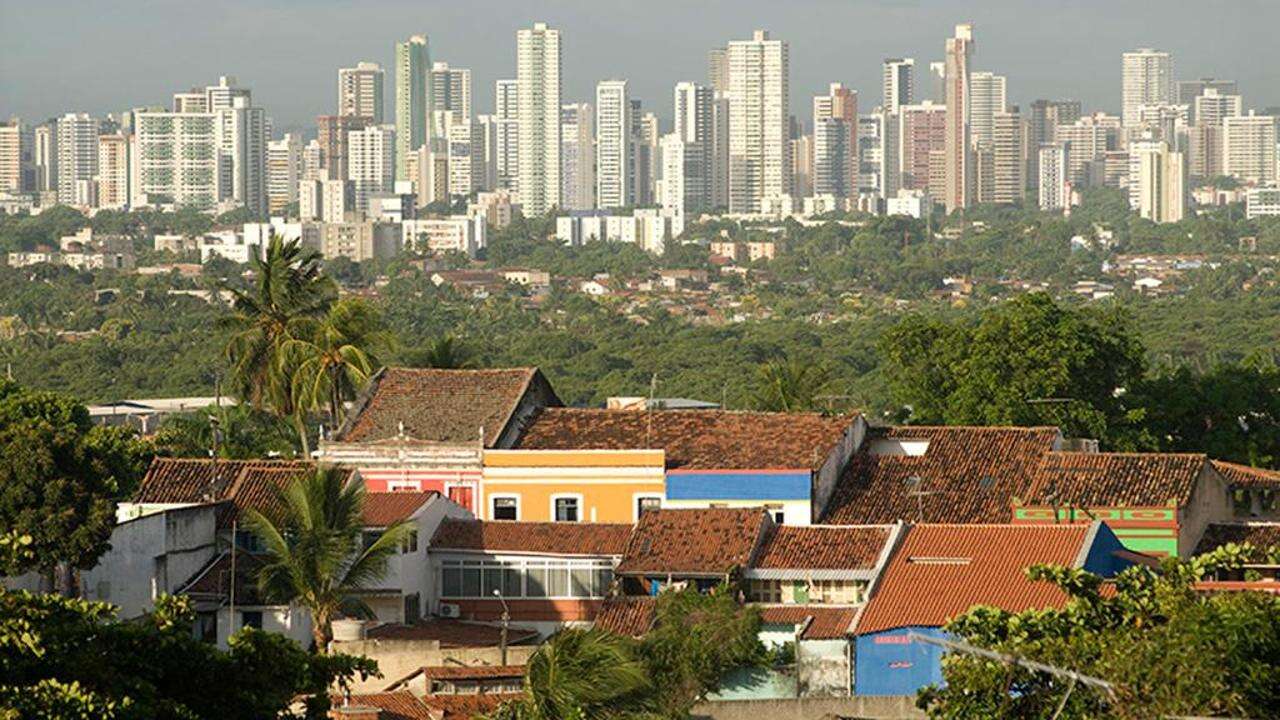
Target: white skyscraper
(701,137)
(959,155)
(615,149)
(835,142)
(450,93)
(1086,140)
(223,95)
(1009,157)
(1055,188)
(284,171)
(371,162)
(413,65)
(987,96)
(177,159)
(466,155)
(506,117)
(44,152)
(1249,148)
(360,91)
(577,157)
(77,156)
(538,106)
(1147,79)
(242,144)
(759,143)
(1157,187)
(899,84)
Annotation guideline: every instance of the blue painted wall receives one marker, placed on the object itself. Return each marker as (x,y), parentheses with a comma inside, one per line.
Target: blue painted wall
(887,663)
(745,485)
(1100,559)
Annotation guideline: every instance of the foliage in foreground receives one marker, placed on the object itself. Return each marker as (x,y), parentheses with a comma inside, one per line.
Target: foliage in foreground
(1168,650)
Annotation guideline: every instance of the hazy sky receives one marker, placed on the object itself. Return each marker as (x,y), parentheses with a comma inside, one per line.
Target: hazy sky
(98,56)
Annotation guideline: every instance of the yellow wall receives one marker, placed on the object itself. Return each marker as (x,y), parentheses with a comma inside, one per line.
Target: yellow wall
(607,480)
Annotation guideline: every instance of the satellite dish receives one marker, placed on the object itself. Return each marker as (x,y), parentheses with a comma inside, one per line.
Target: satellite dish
(987,482)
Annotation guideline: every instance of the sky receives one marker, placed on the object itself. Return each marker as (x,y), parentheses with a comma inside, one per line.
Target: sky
(60,56)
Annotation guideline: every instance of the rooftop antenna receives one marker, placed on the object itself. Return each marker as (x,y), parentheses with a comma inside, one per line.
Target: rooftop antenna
(916,482)
(648,411)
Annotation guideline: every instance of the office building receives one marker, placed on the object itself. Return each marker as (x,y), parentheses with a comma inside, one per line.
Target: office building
(577,157)
(413,63)
(77,156)
(1147,79)
(538,108)
(615,146)
(360,92)
(898,84)
(959,164)
(835,143)
(760,161)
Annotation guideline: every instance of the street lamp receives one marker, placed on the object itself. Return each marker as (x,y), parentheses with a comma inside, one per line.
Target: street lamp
(506,620)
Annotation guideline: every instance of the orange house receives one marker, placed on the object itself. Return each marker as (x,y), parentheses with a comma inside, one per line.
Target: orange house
(598,486)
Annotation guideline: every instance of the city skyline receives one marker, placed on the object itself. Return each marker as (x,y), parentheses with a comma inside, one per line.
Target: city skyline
(297,86)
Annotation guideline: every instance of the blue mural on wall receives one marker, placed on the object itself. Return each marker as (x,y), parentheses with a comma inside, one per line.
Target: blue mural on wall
(739,485)
(889,663)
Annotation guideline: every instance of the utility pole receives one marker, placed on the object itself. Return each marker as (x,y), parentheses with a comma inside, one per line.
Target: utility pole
(506,621)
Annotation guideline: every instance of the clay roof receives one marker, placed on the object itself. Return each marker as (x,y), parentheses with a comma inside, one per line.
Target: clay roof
(822,547)
(1257,534)
(940,571)
(385,508)
(466,706)
(544,538)
(1244,476)
(401,705)
(967,475)
(472,672)
(449,406)
(704,541)
(632,616)
(451,633)
(694,439)
(1115,479)
(821,622)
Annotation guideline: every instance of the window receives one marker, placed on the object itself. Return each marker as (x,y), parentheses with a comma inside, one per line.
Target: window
(775,511)
(368,538)
(251,619)
(410,543)
(505,507)
(645,503)
(531,579)
(580,579)
(451,580)
(536,581)
(206,628)
(566,508)
(764,591)
(836,592)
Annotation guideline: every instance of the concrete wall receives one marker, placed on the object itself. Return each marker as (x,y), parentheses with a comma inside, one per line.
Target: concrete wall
(824,668)
(809,708)
(828,476)
(1210,503)
(290,621)
(398,658)
(758,684)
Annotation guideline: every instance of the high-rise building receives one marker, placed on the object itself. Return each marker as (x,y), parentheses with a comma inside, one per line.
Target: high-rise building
(113,172)
(1189,90)
(331,133)
(890,171)
(1204,142)
(679,168)
(899,84)
(959,165)
(718,69)
(701,122)
(195,100)
(577,157)
(177,159)
(1055,188)
(413,63)
(1147,79)
(284,172)
(15,156)
(489,140)
(1211,106)
(77,157)
(242,145)
(801,166)
(506,117)
(450,93)
(466,155)
(760,161)
(44,151)
(1046,116)
(1157,187)
(360,91)
(1009,157)
(1086,140)
(224,95)
(871,153)
(987,96)
(615,145)
(371,162)
(1249,148)
(538,107)
(312,164)
(835,142)
(923,132)
(646,136)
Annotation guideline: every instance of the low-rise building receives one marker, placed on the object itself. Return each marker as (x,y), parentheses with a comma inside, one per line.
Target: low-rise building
(465,235)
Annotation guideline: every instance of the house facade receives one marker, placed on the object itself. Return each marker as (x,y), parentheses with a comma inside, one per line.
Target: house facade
(605,486)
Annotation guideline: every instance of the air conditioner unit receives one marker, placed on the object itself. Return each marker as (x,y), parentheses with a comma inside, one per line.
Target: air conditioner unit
(448,610)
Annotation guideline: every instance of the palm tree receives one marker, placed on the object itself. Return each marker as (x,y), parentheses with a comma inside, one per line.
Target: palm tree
(446,353)
(582,674)
(333,364)
(315,556)
(790,385)
(288,293)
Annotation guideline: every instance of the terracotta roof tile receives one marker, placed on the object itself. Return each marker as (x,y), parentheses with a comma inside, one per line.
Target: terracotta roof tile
(967,475)
(452,633)
(940,571)
(694,439)
(465,707)
(632,616)
(547,538)
(472,672)
(448,406)
(400,705)
(705,541)
(1115,479)
(385,508)
(1257,534)
(821,622)
(1244,476)
(822,547)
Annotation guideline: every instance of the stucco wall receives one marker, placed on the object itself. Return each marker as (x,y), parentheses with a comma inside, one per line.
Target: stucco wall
(398,658)
(828,476)
(823,668)
(879,708)
(1210,503)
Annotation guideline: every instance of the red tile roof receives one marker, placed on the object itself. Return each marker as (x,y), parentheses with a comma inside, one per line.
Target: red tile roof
(820,622)
(448,406)
(632,616)
(694,542)
(400,705)
(1257,534)
(452,633)
(1115,479)
(466,706)
(940,571)
(542,538)
(385,508)
(694,439)
(472,672)
(822,547)
(966,475)
(1244,476)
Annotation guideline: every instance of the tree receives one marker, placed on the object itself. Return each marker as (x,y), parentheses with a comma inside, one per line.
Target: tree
(445,352)
(151,667)
(1029,361)
(60,478)
(315,553)
(243,433)
(1167,649)
(332,365)
(288,294)
(791,385)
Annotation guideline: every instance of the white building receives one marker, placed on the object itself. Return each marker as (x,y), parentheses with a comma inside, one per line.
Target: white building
(1054,184)
(898,87)
(1262,201)
(701,123)
(1157,187)
(1249,148)
(77,154)
(759,144)
(450,93)
(506,158)
(466,156)
(1147,79)
(958,156)
(442,235)
(114,158)
(360,91)
(242,148)
(615,152)
(177,159)
(284,171)
(1009,157)
(914,203)
(577,157)
(371,162)
(987,96)
(538,107)
(835,142)
(44,151)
